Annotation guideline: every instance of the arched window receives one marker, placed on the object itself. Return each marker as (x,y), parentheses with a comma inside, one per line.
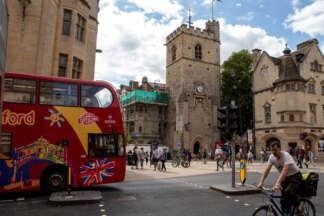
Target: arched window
(198,52)
(173,53)
(311,86)
(267,113)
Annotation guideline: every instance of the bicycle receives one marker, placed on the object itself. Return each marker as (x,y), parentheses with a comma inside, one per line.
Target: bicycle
(272,207)
(176,163)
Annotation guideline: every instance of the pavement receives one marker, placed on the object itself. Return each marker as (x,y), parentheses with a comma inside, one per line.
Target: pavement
(196,168)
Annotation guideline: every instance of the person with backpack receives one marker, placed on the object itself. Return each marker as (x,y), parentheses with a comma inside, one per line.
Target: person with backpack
(164,159)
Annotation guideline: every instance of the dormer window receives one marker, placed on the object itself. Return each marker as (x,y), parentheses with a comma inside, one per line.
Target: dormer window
(198,52)
(315,66)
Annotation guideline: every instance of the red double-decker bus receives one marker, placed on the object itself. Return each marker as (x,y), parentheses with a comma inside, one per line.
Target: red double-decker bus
(57,131)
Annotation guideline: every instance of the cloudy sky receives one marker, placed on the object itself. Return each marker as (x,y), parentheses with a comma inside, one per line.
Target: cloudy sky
(132,33)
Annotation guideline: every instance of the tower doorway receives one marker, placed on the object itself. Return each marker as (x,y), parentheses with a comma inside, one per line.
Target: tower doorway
(196,148)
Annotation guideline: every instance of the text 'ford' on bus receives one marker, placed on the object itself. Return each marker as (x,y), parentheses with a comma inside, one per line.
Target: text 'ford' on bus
(57,131)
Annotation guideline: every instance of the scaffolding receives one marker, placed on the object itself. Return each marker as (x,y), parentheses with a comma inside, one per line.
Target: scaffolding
(145,97)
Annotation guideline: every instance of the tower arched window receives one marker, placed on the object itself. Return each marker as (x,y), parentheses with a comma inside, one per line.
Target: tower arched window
(173,53)
(198,54)
(267,113)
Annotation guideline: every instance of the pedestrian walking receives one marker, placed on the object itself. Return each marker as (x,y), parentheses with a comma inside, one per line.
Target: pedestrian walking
(156,157)
(135,157)
(300,156)
(147,156)
(250,157)
(164,159)
(204,156)
(142,157)
(219,156)
(309,159)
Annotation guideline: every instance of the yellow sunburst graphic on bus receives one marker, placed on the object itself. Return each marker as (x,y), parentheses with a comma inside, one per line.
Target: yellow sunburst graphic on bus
(55,118)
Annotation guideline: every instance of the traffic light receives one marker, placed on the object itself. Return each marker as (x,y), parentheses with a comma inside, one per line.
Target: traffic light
(222,117)
(234,120)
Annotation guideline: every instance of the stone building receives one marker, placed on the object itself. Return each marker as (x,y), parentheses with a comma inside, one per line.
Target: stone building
(144,112)
(289,98)
(52,37)
(192,81)
(3,46)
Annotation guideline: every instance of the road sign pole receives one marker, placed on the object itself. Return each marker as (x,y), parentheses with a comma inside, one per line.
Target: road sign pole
(233,160)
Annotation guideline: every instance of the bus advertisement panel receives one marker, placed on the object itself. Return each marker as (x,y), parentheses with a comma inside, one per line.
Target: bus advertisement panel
(51,124)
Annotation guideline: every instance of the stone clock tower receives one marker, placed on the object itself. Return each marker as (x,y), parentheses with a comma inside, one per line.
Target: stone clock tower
(192,78)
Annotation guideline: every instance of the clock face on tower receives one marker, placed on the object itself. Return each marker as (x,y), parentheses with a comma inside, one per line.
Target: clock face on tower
(200,89)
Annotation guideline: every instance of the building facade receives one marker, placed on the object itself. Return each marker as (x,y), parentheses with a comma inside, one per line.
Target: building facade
(3,46)
(3,35)
(192,81)
(53,37)
(289,98)
(144,112)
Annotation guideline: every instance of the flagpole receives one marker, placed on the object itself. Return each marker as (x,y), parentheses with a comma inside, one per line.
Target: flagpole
(212,9)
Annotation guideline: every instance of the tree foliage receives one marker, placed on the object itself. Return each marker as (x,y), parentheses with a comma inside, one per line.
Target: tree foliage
(236,85)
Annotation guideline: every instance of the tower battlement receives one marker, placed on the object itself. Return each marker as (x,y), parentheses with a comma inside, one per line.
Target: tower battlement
(208,33)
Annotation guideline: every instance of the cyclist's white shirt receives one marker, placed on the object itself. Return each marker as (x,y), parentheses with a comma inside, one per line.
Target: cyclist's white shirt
(285,158)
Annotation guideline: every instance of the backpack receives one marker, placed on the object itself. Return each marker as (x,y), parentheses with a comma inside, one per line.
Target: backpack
(164,156)
(308,187)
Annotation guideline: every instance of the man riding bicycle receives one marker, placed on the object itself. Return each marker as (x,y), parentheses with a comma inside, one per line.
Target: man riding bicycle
(289,179)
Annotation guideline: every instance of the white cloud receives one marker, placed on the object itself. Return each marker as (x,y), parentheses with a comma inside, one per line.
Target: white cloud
(307,20)
(133,43)
(237,37)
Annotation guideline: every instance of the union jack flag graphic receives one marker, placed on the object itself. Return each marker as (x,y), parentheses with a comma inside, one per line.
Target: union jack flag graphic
(94,172)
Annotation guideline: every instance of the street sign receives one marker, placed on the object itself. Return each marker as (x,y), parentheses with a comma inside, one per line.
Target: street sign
(179,145)
(242,171)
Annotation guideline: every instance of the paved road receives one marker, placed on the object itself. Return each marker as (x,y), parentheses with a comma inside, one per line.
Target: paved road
(178,191)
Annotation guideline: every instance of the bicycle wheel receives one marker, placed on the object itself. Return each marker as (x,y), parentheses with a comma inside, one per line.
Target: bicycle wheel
(185,163)
(308,207)
(265,210)
(174,163)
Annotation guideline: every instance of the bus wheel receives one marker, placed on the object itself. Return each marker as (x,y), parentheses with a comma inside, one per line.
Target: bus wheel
(55,181)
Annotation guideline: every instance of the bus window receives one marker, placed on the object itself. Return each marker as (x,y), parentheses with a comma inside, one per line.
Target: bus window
(95,96)
(59,94)
(105,145)
(5,146)
(19,90)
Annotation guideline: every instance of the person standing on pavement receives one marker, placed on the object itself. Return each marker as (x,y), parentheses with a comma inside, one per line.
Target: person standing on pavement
(142,157)
(204,156)
(155,157)
(135,157)
(146,157)
(164,159)
(289,179)
(300,156)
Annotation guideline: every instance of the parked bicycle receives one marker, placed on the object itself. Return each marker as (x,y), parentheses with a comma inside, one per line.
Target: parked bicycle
(272,207)
(180,161)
